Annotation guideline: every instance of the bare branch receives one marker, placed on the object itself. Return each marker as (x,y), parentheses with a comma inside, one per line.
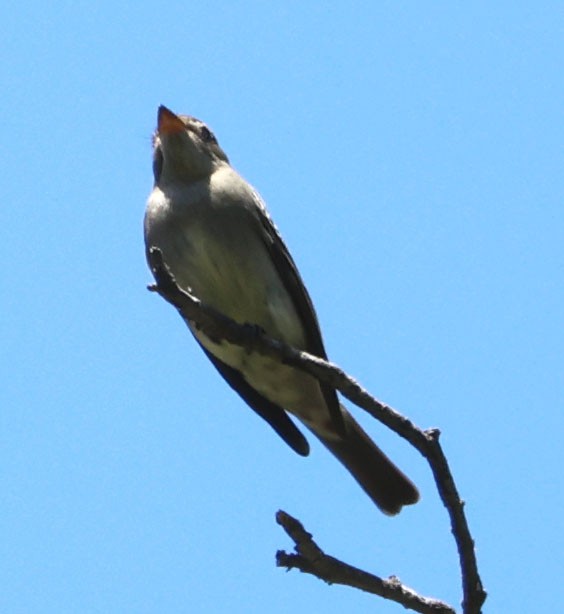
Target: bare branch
(309,558)
(426,442)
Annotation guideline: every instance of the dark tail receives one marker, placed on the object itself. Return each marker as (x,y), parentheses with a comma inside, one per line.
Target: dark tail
(384,483)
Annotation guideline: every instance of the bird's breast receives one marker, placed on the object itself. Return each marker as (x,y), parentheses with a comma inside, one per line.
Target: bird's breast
(218,253)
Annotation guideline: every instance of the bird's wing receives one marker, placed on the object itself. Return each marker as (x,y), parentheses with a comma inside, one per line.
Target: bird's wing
(274,415)
(290,277)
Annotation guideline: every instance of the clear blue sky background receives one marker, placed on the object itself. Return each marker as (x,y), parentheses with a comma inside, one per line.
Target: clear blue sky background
(411,154)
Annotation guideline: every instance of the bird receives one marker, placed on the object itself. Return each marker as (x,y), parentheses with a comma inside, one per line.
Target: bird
(220,244)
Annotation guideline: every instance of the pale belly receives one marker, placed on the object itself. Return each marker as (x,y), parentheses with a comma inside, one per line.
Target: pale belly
(233,273)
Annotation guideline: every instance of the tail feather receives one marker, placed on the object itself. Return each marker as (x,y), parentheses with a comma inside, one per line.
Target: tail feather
(384,483)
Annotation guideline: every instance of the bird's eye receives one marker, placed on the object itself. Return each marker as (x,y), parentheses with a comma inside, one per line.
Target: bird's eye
(158,161)
(207,135)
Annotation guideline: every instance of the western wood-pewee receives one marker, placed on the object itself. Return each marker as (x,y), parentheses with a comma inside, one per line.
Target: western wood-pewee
(219,242)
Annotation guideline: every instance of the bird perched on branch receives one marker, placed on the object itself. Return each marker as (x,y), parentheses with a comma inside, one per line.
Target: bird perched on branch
(219,242)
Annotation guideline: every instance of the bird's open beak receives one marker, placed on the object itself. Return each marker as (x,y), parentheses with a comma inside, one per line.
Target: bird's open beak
(168,122)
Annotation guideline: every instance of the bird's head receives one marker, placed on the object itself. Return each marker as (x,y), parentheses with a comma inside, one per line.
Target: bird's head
(184,148)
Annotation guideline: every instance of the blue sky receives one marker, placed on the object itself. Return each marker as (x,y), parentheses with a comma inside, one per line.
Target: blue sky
(411,155)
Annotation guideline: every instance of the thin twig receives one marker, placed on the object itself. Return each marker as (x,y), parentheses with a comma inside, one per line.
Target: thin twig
(309,558)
